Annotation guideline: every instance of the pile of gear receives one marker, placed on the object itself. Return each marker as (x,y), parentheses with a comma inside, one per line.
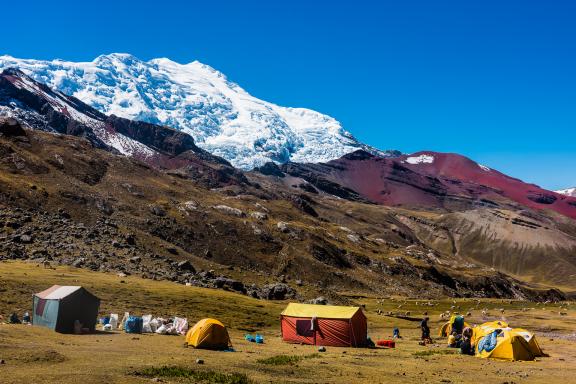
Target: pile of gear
(145,324)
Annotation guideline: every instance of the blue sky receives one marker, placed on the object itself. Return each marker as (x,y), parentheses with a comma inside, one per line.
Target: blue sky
(493,80)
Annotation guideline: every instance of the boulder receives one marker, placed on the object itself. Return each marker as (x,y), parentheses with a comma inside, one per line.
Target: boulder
(25,239)
(131,239)
(79,262)
(283,227)
(229,210)
(259,215)
(235,285)
(320,300)
(277,291)
(157,210)
(185,265)
(11,128)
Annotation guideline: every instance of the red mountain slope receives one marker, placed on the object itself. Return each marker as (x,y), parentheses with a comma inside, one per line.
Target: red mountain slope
(430,180)
(452,166)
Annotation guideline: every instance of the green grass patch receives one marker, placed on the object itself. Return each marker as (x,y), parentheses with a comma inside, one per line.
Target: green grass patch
(430,352)
(194,376)
(286,359)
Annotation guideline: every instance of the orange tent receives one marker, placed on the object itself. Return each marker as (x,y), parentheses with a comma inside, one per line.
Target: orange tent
(208,334)
(326,325)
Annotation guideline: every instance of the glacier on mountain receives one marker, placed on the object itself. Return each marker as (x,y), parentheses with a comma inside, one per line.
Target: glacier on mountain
(195,98)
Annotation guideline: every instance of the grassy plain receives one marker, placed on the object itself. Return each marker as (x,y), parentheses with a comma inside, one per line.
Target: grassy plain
(36,355)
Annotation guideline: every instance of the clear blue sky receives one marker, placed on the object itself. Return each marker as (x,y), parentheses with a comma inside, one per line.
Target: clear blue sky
(494,80)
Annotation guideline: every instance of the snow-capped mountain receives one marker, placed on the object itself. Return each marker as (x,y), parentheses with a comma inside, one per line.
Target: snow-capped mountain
(568,192)
(195,98)
(32,105)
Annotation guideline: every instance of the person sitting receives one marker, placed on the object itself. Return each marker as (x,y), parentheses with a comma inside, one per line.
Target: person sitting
(466,346)
(451,341)
(396,333)
(14,319)
(454,340)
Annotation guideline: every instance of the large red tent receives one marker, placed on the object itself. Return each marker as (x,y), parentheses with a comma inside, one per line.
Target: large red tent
(326,325)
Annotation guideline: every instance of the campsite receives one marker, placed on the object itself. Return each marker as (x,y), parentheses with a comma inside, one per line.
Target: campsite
(40,355)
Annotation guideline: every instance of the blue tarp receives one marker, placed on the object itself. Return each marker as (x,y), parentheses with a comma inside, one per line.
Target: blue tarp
(488,342)
(133,325)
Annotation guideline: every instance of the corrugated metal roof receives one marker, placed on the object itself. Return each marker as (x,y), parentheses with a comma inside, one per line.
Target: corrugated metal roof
(57,292)
(320,311)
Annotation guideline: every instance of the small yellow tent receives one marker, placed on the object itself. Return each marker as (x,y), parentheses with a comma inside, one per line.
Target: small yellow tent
(511,343)
(447,326)
(208,334)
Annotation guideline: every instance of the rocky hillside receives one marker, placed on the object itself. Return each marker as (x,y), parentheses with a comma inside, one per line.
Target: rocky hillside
(64,201)
(472,211)
(81,188)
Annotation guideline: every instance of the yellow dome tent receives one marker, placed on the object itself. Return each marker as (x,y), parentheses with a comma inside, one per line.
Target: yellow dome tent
(510,343)
(447,326)
(208,334)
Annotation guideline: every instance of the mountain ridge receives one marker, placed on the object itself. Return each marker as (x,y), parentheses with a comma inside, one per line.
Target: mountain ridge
(161,147)
(427,179)
(221,116)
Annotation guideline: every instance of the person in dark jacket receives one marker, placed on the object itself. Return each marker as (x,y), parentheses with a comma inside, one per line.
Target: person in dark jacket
(466,346)
(14,319)
(425,330)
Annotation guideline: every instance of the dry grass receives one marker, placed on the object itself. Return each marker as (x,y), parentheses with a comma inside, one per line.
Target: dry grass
(193,376)
(286,359)
(135,295)
(38,355)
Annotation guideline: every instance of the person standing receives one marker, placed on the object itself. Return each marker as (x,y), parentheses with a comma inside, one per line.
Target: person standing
(425,330)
